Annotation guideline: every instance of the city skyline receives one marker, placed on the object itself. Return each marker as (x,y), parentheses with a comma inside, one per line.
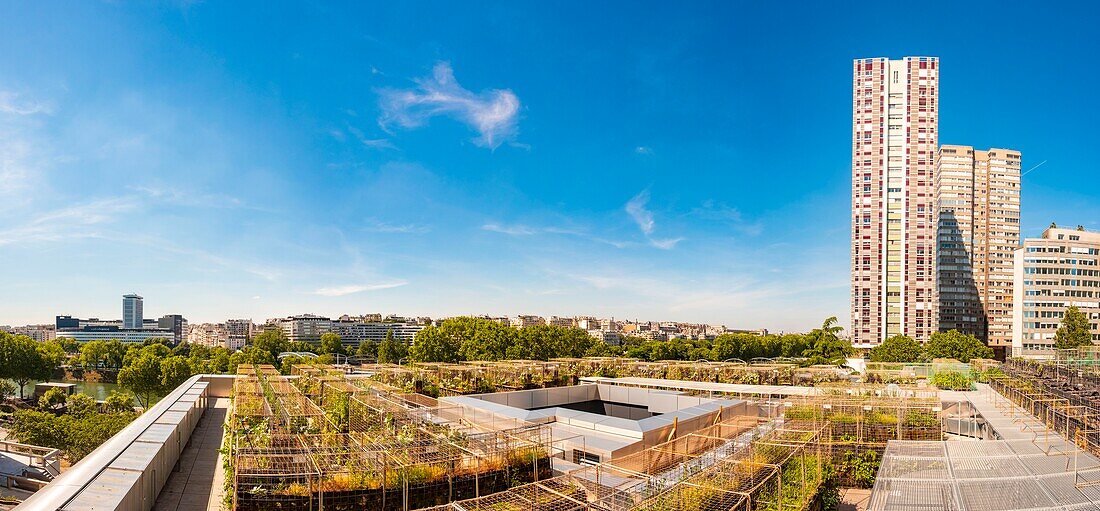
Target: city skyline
(322,161)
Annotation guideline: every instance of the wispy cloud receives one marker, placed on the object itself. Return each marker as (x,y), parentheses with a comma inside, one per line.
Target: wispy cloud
(511,230)
(643,150)
(72,222)
(526,230)
(714,211)
(12,103)
(23,157)
(378,226)
(373,143)
(492,113)
(352,289)
(180,197)
(636,208)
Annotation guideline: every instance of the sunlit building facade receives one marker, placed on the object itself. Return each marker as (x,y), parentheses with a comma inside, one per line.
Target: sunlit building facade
(894,143)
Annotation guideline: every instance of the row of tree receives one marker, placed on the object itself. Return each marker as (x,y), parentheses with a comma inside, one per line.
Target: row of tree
(149,370)
(466,338)
(951,344)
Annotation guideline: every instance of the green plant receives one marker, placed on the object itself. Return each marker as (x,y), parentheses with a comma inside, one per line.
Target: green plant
(951,380)
(921,419)
(860,467)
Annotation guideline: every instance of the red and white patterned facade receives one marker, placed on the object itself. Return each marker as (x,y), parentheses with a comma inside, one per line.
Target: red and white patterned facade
(895,113)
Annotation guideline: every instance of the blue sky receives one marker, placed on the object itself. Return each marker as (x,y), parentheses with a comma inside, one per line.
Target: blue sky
(630,159)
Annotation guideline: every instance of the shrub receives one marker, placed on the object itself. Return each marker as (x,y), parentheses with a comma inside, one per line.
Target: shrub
(951,380)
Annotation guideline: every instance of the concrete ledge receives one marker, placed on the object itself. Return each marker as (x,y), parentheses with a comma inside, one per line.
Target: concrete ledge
(128,470)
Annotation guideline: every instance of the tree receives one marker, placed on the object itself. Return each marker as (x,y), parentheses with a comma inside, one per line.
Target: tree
(116,352)
(288,363)
(93,353)
(367,349)
(119,402)
(80,405)
(273,341)
(825,345)
(390,351)
(898,348)
(301,347)
(174,371)
(7,389)
(68,344)
(956,345)
(21,360)
(143,377)
(250,355)
(1075,330)
(331,343)
(53,355)
(52,399)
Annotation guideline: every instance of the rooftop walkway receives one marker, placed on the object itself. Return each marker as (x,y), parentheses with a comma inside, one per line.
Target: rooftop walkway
(1028,467)
(195,485)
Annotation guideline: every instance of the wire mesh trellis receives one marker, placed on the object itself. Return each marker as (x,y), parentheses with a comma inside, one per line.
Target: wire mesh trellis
(325,442)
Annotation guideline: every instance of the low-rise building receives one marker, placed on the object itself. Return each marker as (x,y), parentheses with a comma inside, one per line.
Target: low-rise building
(305,327)
(239,331)
(353,332)
(559,321)
(607,336)
(1058,270)
(523,321)
(40,333)
(208,334)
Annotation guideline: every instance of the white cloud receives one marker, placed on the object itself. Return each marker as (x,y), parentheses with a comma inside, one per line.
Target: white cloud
(373,143)
(11,103)
(511,230)
(492,113)
(636,208)
(642,216)
(646,150)
(711,210)
(68,223)
(23,157)
(377,226)
(352,289)
(526,230)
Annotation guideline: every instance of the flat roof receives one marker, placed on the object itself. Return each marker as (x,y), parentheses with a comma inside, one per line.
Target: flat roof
(728,388)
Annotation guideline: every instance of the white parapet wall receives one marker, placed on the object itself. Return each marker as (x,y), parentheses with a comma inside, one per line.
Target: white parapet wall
(127,472)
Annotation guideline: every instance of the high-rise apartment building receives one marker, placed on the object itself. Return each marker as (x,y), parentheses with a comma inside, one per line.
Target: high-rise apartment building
(895,115)
(131,312)
(1052,273)
(978,210)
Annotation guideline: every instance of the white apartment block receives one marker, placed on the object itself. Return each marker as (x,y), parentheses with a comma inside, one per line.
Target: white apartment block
(526,321)
(305,327)
(40,333)
(559,321)
(978,212)
(239,332)
(353,332)
(1058,270)
(607,336)
(208,334)
(894,144)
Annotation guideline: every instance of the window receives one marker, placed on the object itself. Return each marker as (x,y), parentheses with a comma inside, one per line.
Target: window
(585,458)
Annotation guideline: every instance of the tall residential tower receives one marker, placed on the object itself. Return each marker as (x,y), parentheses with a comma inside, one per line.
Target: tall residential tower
(978,209)
(894,142)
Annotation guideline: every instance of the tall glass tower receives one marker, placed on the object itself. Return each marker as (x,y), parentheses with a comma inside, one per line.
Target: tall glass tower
(131,311)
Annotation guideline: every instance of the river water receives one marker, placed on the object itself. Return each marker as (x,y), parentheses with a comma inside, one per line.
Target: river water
(97,390)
